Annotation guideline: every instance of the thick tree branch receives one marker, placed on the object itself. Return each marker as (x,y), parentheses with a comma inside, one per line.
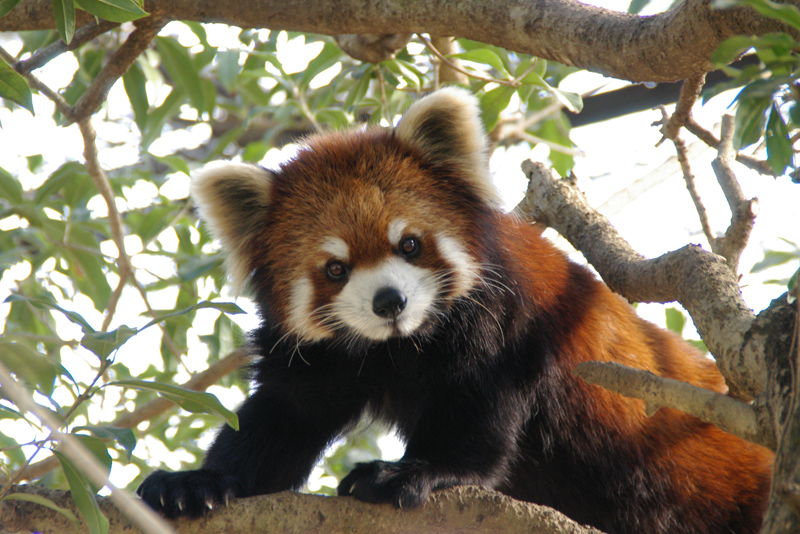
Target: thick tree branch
(458,509)
(615,44)
(729,415)
(699,280)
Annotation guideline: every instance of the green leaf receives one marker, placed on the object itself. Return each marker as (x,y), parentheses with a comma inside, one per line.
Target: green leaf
(83,498)
(535,75)
(104,343)
(135,84)
(571,101)
(64,13)
(14,87)
(113,10)
(176,163)
(157,118)
(123,436)
(34,162)
(10,188)
(484,56)
(47,503)
(636,6)
(178,62)
(228,68)
(327,57)
(7,5)
(780,154)
(47,303)
(34,368)
(493,103)
(255,151)
(191,401)
(675,320)
(225,307)
(357,92)
(773,258)
(749,121)
(61,178)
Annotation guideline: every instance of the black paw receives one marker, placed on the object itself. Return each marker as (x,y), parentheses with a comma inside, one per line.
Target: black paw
(188,493)
(406,484)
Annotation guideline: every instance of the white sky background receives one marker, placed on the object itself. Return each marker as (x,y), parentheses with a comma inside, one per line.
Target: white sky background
(617,154)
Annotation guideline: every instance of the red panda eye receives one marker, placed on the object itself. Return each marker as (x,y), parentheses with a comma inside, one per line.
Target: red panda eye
(335,270)
(409,246)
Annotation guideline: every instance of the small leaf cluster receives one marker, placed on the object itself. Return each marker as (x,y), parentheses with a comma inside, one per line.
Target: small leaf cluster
(767,106)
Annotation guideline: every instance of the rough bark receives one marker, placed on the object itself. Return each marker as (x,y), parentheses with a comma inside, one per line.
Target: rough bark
(699,280)
(616,44)
(463,509)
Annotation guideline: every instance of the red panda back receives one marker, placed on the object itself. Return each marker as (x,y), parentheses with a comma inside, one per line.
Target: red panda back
(699,478)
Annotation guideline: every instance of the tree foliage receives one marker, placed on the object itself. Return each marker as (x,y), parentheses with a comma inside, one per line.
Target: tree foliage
(116,293)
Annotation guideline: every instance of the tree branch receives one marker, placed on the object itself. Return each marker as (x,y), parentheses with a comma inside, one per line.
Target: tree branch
(94,96)
(82,35)
(759,165)
(699,280)
(457,509)
(615,44)
(729,415)
(743,211)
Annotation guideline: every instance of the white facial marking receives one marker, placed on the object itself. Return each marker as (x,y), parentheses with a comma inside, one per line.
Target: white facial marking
(336,247)
(464,266)
(301,319)
(353,305)
(396,229)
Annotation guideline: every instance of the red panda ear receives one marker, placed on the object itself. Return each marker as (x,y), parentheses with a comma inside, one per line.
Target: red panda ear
(232,199)
(446,127)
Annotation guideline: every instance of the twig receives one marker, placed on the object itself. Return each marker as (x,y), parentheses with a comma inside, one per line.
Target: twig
(61,104)
(730,415)
(689,178)
(83,397)
(690,90)
(759,165)
(83,35)
(443,72)
(462,70)
(120,61)
(743,211)
(199,382)
(145,518)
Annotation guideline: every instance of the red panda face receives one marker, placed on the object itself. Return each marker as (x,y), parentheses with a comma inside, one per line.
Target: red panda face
(365,235)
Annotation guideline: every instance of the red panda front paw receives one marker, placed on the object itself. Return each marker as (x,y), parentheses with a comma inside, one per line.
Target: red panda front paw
(188,493)
(406,484)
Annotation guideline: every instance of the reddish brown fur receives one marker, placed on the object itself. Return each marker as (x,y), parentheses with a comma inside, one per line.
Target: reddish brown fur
(709,469)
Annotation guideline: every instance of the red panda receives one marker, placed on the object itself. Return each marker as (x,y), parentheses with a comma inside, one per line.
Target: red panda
(390,285)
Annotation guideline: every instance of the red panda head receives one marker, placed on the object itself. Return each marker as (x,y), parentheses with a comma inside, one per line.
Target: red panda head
(364,235)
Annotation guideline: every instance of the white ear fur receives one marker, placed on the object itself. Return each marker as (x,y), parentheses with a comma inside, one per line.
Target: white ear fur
(447,128)
(232,199)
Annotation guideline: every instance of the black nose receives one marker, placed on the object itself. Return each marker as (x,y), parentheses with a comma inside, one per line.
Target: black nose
(388,303)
